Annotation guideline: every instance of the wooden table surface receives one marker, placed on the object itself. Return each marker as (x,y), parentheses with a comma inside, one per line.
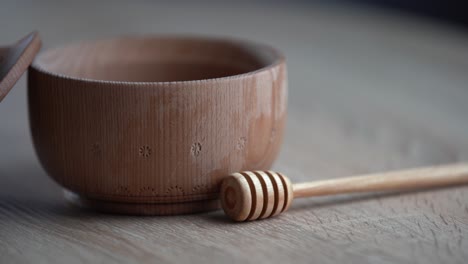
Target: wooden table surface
(369,91)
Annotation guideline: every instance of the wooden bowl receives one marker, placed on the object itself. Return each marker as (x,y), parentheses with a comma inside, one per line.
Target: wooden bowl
(152,125)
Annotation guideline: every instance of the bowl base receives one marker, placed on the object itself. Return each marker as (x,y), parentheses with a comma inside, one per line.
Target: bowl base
(142,208)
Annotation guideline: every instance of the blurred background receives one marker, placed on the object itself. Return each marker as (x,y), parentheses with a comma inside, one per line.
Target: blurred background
(373,85)
(387,79)
(442,11)
(372,72)
(403,59)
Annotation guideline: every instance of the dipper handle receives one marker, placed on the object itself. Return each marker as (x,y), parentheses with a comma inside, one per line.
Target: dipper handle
(418,178)
(261,194)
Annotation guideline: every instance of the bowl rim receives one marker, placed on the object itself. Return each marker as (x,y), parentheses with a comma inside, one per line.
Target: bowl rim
(278,59)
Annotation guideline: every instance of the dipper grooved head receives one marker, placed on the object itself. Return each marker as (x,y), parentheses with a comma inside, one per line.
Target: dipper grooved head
(253,195)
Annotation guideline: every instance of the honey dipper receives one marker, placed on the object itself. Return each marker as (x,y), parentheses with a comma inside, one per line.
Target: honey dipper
(253,195)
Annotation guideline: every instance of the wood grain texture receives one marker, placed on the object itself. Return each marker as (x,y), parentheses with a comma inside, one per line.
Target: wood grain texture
(369,92)
(138,124)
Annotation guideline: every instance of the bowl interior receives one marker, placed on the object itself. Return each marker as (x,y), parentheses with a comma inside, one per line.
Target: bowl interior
(156,59)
